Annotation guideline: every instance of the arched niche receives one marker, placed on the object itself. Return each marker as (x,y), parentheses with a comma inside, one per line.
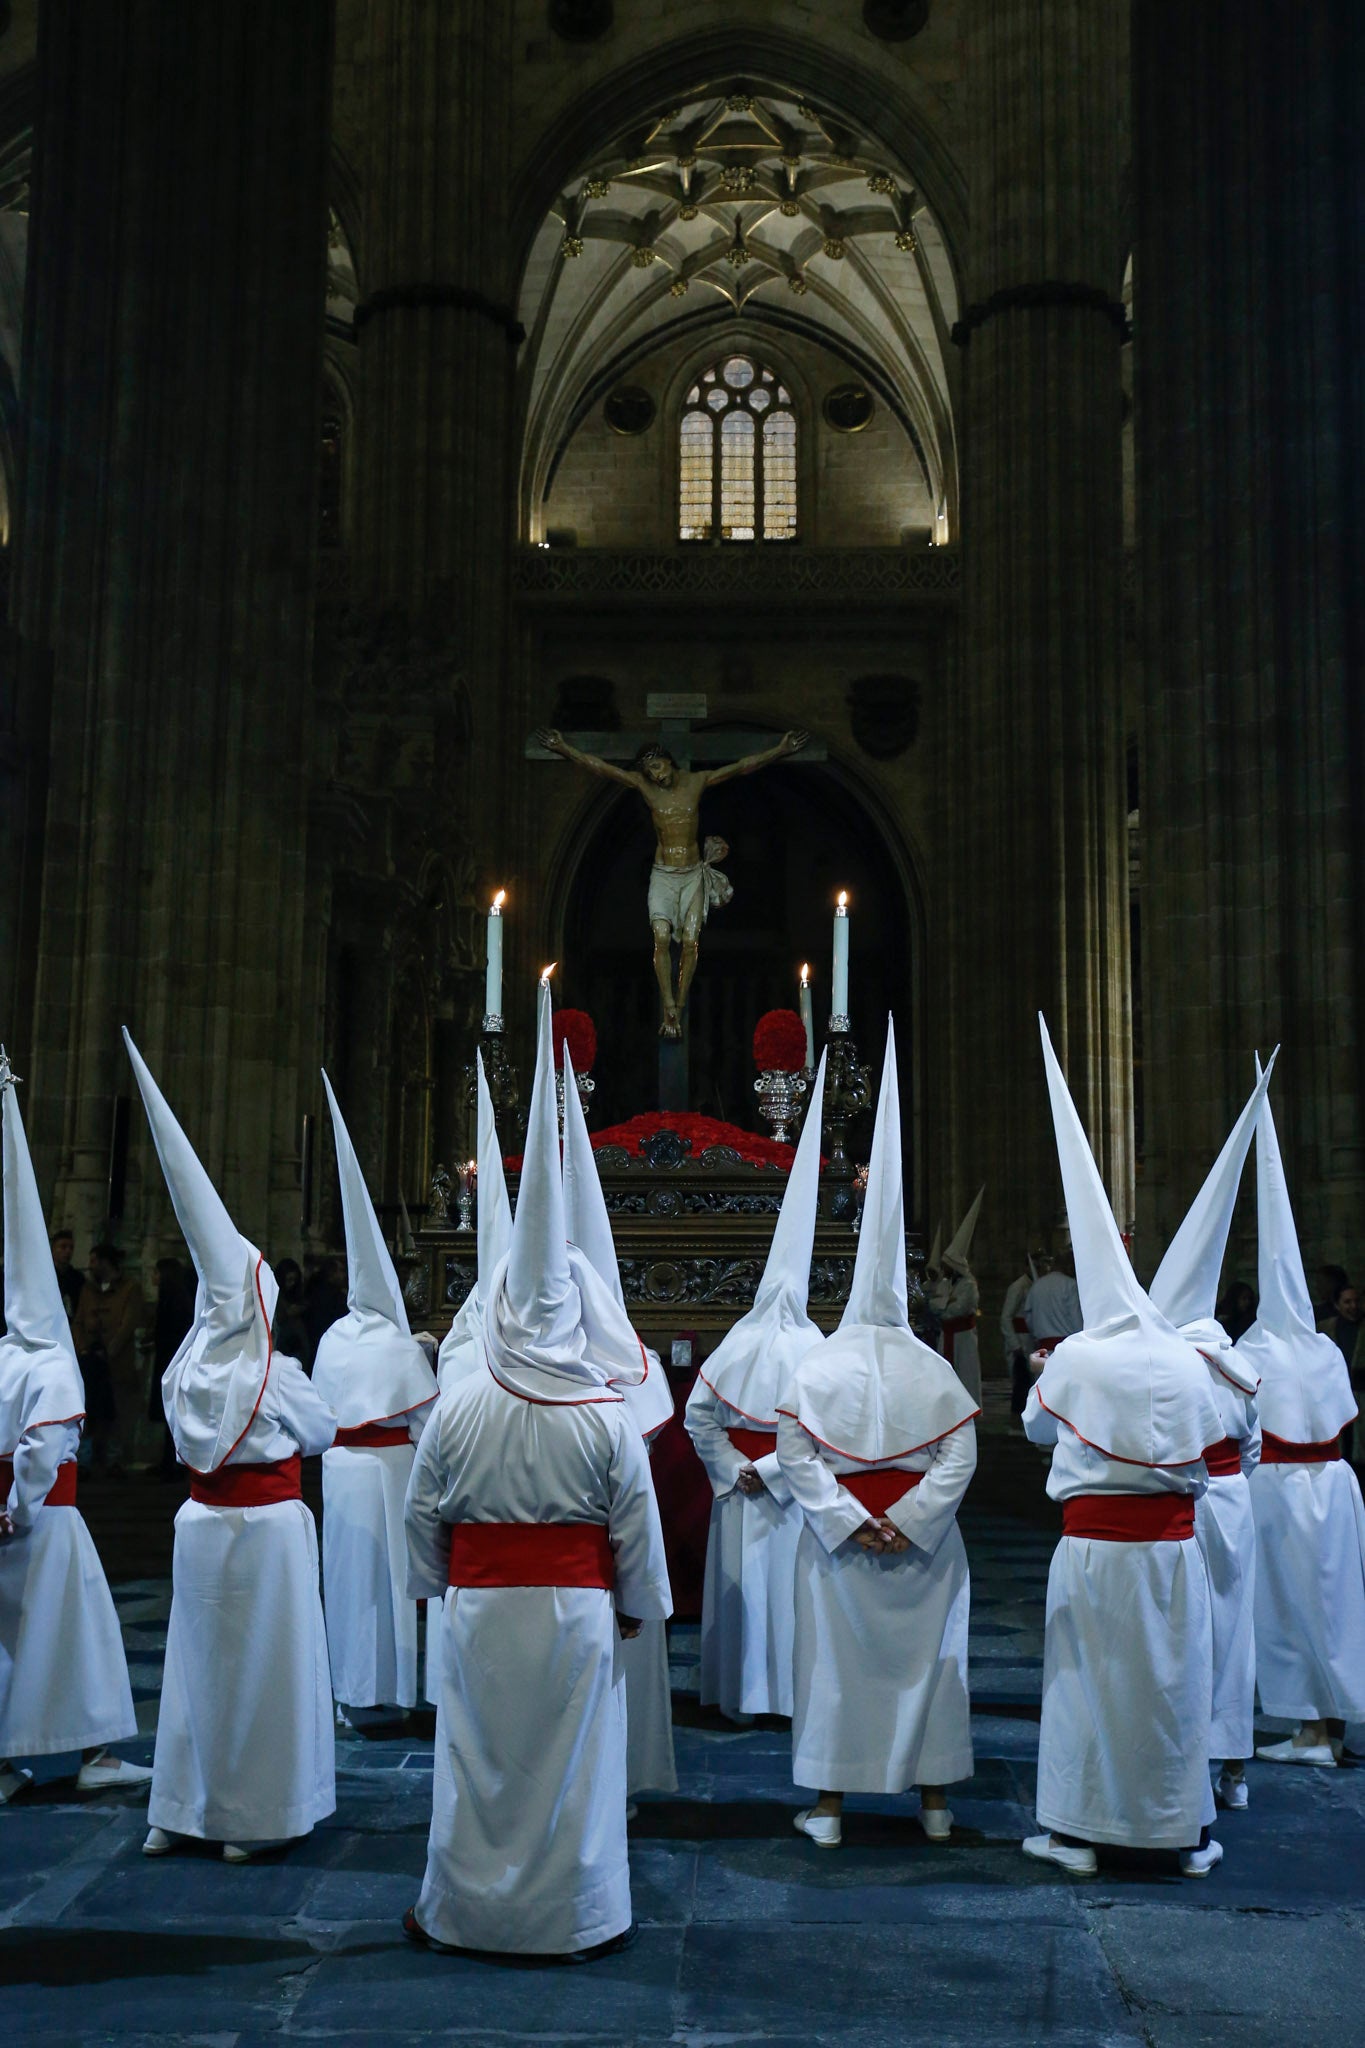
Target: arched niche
(797,835)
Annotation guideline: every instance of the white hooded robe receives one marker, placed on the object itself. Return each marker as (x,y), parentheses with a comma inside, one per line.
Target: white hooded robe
(63,1674)
(369,1370)
(245,1750)
(880,1694)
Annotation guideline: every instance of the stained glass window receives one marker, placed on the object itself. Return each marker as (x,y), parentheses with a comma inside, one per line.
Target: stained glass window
(737,456)
(696,482)
(779,476)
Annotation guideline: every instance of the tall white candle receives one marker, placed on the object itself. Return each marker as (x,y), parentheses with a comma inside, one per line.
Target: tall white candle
(808,1017)
(838,1000)
(492,980)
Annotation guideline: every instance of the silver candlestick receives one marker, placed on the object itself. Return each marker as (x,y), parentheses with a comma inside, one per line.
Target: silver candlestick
(779,1100)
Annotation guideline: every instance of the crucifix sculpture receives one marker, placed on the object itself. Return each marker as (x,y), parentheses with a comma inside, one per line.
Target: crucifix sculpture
(685,881)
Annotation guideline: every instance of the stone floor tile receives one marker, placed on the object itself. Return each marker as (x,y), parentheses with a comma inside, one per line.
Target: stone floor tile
(995,1982)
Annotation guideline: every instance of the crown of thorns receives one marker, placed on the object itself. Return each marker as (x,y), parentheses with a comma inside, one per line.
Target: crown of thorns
(654,752)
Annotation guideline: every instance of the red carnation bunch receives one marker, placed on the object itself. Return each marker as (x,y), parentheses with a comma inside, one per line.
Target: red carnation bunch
(575,1029)
(780,1043)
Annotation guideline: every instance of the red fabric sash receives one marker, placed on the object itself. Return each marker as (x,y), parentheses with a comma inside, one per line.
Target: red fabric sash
(1045,1346)
(753,1444)
(62,1494)
(1223,1460)
(952,1330)
(1020,1325)
(878,1490)
(1275,1451)
(1130,1517)
(531,1554)
(249,1486)
(371,1436)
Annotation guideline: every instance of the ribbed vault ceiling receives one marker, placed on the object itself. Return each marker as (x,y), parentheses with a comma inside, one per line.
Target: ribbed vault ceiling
(740,202)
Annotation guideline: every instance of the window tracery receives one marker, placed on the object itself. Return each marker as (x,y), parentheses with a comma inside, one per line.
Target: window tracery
(737,455)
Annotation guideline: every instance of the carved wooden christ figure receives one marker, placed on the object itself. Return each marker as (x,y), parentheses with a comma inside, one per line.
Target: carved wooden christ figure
(685,881)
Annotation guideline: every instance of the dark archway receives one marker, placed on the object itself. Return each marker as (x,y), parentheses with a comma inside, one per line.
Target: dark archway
(797,835)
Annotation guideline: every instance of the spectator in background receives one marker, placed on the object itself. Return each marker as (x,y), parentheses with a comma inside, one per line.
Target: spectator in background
(1331,1280)
(104,1331)
(1053,1310)
(70,1279)
(171,1319)
(1236,1310)
(325,1302)
(289,1331)
(1343,1327)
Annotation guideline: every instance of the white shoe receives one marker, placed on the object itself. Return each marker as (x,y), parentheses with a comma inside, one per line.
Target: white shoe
(937,1822)
(1291,1752)
(246,1852)
(1199,1862)
(158,1843)
(1231,1792)
(826,1830)
(1080,1862)
(12,1781)
(106,1771)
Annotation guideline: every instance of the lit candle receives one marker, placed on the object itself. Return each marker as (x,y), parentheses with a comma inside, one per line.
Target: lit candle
(492,982)
(808,1017)
(838,1000)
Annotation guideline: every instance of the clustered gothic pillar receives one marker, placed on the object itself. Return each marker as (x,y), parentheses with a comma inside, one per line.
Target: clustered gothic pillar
(166,533)
(438,336)
(1035,806)
(1249,318)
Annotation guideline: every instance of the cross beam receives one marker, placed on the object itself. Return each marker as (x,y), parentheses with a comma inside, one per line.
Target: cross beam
(675,713)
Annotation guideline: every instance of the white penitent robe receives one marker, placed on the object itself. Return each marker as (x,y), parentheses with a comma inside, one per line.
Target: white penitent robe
(1310,1591)
(748,1597)
(63,1675)
(245,1750)
(527,1851)
(1127,1660)
(959,1298)
(650,1763)
(1225,1531)
(880,1692)
(371,1623)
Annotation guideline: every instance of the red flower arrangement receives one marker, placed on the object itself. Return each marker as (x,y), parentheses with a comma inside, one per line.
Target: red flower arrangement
(701,1131)
(780,1043)
(575,1029)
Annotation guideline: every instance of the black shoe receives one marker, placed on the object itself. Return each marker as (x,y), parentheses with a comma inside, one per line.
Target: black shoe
(618,1943)
(419,1935)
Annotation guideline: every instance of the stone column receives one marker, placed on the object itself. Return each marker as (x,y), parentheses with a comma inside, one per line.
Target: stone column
(171,400)
(1249,316)
(438,334)
(1034,808)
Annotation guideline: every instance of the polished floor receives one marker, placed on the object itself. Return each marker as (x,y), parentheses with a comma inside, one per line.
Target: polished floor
(748,1934)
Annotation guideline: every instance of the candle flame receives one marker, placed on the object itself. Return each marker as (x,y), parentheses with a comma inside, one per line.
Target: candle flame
(473,1166)
(805,974)
(843,899)
(499,900)
(546,972)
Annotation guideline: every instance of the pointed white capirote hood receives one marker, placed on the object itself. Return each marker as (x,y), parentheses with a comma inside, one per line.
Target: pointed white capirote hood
(1185,1285)
(1305,1395)
(612,1338)
(533,1319)
(213,1386)
(958,1253)
(1128,1384)
(751,1365)
(39,1378)
(462,1350)
(369,1367)
(874,1390)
